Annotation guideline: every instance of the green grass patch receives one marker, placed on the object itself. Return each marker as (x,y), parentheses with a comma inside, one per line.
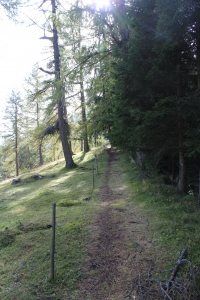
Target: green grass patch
(174,221)
(120,205)
(68,203)
(25,228)
(7,238)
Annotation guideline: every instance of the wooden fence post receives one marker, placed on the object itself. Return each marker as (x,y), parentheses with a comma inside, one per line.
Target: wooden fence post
(93,176)
(96,164)
(53,239)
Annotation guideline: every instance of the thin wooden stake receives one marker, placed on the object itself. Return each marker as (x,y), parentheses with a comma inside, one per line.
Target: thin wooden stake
(96,162)
(93,175)
(53,239)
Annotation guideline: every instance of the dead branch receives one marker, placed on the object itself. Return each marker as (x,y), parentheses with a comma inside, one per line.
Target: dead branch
(175,270)
(165,293)
(47,72)
(183,287)
(47,38)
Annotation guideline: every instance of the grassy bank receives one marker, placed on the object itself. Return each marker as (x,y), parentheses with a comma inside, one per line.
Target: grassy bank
(25,224)
(25,228)
(174,220)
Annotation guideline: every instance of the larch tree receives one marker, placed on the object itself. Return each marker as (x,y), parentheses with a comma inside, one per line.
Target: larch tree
(76,21)
(35,107)
(13,128)
(57,84)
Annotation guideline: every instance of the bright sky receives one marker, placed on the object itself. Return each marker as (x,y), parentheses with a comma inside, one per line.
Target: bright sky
(20,49)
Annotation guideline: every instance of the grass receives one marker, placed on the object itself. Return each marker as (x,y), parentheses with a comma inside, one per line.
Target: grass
(25,228)
(173,218)
(25,224)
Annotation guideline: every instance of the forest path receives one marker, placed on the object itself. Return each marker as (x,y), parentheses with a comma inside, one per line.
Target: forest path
(118,246)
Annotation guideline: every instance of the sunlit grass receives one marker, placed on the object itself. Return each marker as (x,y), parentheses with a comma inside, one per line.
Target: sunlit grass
(25,234)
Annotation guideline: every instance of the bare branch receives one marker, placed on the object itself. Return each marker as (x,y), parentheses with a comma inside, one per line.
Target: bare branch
(47,38)
(42,3)
(48,72)
(72,95)
(86,59)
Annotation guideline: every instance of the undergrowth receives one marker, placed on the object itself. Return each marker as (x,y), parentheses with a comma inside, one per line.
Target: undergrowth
(173,218)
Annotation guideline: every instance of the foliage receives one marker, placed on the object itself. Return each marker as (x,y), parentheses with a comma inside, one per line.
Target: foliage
(10,7)
(135,68)
(151,106)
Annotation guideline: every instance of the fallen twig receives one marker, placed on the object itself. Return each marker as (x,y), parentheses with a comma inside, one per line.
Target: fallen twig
(164,292)
(175,270)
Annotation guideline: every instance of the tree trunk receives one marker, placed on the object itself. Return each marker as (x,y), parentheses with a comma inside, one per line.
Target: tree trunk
(60,93)
(40,143)
(84,120)
(198,49)
(16,139)
(198,61)
(182,181)
(68,130)
(16,160)
(40,154)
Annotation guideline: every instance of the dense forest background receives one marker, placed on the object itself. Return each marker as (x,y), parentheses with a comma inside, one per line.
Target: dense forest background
(128,72)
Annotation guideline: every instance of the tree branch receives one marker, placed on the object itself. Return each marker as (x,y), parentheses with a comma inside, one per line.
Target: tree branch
(72,95)
(47,38)
(86,59)
(48,72)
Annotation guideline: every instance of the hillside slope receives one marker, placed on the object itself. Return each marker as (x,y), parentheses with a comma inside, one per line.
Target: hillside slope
(108,241)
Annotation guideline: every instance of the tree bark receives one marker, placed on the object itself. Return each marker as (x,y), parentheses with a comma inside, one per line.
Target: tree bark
(60,93)
(84,120)
(182,181)
(16,138)
(182,172)
(68,130)
(198,47)
(40,143)
(40,154)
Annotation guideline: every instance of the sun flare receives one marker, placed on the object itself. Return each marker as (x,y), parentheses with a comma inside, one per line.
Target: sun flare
(98,4)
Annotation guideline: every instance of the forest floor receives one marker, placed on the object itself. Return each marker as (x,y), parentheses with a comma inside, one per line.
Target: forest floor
(119,248)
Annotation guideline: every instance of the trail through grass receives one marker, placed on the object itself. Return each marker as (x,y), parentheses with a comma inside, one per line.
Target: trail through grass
(173,223)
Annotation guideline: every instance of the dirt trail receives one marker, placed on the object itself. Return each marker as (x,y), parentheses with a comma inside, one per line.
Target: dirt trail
(118,247)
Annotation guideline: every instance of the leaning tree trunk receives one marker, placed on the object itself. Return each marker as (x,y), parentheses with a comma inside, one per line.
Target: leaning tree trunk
(60,93)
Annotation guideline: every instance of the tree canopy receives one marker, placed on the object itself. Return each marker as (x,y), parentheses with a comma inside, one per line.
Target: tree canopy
(131,72)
